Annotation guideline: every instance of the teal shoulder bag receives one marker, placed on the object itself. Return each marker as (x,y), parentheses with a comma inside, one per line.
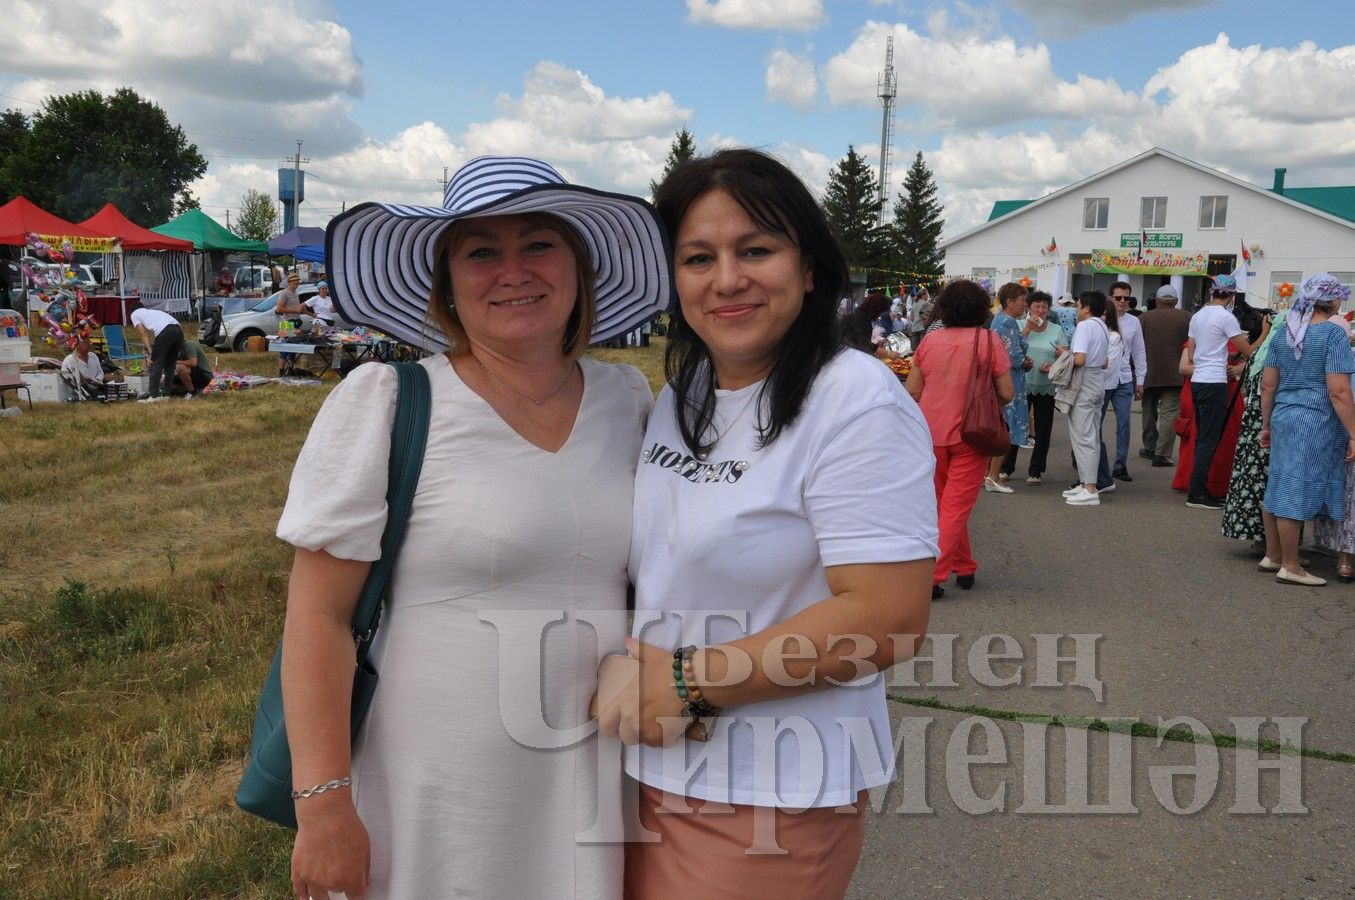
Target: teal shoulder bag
(266,786)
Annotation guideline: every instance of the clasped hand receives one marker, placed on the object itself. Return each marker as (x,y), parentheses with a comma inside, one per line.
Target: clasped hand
(636,694)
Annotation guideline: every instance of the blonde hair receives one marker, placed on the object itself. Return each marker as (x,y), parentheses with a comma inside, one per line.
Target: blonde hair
(442,305)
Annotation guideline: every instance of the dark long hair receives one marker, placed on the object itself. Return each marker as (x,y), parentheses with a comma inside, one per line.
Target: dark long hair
(778,202)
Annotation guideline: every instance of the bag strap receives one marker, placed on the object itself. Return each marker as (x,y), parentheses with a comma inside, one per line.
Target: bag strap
(409,437)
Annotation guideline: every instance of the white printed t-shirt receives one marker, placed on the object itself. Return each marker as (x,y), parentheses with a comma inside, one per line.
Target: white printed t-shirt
(1212,327)
(748,533)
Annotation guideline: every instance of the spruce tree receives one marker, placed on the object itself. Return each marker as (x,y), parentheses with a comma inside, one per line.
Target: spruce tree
(682,149)
(852,204)
(917,222)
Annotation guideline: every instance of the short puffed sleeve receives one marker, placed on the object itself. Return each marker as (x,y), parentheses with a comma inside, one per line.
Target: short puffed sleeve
(337,498)
(641,392)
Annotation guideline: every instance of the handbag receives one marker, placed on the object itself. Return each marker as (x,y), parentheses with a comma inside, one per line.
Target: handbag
(983,427)
(266,785)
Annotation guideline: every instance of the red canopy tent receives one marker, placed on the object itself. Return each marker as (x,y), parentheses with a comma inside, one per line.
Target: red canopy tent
(111,221)
(21,216)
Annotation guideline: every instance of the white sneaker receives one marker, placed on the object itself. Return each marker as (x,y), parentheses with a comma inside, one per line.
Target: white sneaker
(153,400)
(1083,497)
(1028,445)
(1075,489)
(1110,488)
(994,488)
(1003,477)
(188,396)
(1034,479)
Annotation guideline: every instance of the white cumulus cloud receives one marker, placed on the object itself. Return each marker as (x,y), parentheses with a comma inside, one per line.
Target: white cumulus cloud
(1078,15)
(770,15)
(791,79)
(967,80)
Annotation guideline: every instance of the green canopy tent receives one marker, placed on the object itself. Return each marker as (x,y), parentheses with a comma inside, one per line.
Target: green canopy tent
(207,235)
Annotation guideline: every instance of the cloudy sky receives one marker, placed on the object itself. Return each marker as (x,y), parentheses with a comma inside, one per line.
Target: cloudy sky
(1006,99)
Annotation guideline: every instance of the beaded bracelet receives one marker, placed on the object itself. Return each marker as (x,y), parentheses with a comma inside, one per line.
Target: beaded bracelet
(322,788)
(695,706)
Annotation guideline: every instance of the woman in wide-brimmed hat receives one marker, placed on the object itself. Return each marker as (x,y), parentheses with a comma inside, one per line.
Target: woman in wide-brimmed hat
(475,756)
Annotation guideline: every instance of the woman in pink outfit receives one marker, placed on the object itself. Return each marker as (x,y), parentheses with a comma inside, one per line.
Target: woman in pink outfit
(939,382)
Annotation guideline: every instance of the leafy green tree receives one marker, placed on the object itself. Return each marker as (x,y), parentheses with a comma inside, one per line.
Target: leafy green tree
(13,133)
(852,204)
(258,219)
(683,148)
(918,222)
(86,149)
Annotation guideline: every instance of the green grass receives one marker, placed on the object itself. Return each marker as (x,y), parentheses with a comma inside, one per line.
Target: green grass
(141,595)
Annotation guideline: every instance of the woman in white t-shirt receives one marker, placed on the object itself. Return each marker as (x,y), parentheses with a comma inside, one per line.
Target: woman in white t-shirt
(784,498)
(1091,353)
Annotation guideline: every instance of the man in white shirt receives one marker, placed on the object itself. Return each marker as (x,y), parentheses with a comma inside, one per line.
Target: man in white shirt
(1124,387)
(161,335)
(84,371)
(1214,333)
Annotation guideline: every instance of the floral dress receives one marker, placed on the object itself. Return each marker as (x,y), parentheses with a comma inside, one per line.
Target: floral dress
(1017,412)
(1251,467)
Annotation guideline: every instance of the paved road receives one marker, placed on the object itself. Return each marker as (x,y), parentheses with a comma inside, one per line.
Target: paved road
(1190,628)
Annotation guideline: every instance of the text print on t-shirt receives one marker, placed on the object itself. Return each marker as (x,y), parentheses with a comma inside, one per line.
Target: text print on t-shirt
(684,465)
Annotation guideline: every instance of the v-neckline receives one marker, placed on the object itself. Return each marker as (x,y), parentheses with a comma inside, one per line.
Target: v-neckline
(573,427)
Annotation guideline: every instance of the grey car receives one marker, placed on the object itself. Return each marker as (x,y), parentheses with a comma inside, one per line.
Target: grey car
(260,320)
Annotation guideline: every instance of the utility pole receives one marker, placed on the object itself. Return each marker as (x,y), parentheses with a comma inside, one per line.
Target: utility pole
(296,173)
(228,220)
(443,182)
(888,89)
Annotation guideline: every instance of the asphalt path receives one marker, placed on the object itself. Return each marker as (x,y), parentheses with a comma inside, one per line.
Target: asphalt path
(1177,622)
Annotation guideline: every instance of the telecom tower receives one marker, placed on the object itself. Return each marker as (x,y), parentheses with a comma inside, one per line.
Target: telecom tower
(888,90)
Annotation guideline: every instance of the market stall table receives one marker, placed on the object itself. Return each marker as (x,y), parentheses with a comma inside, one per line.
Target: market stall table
(341,355)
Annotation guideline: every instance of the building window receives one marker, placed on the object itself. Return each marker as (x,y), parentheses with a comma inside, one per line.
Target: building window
(984,276)
(1095,213)
(1153,212)
(1293,279)
(1214,212)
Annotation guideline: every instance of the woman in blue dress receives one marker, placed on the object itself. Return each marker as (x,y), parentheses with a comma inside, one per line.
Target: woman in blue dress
(1012,298)
(1307,421)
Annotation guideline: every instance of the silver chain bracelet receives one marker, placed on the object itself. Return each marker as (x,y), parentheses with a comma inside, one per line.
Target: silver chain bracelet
(321,788)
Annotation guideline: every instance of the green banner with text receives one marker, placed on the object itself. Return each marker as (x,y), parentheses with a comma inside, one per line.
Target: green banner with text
(1150,262)
(1157,240)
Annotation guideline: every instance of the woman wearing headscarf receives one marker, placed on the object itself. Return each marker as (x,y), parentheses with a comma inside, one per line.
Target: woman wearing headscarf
(1333,535)
(477,752)
(766,518)
(1308,422)
(1011,298)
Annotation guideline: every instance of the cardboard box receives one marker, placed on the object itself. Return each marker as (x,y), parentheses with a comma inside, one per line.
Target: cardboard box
(15,350)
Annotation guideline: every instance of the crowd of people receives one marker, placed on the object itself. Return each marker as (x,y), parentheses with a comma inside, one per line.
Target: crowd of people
(1263,413)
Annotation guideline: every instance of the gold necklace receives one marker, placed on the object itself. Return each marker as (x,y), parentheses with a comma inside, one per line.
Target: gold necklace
(537,400)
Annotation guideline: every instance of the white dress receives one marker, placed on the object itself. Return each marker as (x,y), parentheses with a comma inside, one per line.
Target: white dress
(509,589)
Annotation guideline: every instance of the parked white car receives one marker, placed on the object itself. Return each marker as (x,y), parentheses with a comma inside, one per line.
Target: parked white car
(259,320)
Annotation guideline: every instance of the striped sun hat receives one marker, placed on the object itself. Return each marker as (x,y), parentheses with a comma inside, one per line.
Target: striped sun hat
(380,255)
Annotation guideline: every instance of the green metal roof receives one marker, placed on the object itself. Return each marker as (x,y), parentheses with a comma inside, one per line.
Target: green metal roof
(1338,201)
(1002,207)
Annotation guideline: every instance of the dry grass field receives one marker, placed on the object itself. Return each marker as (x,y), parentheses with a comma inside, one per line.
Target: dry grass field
(141,595)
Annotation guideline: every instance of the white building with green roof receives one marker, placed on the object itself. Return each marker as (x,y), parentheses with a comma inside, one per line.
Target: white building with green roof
(1160,218)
